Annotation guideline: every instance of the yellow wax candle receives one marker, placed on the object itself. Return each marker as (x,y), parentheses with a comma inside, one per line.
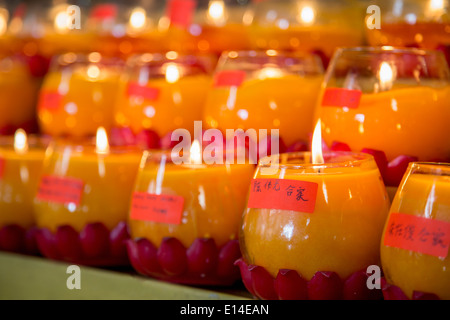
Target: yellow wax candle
(266,104)
(214,197)
(340,232)
(82,185)
(425,193)
(79,98)
(20,168)
(402,121)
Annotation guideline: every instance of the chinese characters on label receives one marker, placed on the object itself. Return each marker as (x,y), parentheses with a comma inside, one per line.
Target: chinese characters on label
(418,234)
(157,208)
(283,194)
(62,190)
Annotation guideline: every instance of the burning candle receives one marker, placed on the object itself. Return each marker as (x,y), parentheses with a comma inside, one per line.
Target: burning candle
(416,238)
(190,212)
(20,166)
(315,219)
(85,185)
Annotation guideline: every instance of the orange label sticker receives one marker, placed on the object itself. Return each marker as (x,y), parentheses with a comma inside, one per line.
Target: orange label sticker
(62,190)
(104,11)
(283,194)
(161,208)
(2,167)
(229,78)
(341,97)
(181,12)
(137,90)
(50,100)
(419,234)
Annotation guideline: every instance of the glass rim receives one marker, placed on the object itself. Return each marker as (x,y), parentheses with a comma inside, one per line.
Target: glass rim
(35,141)
(88,145)
(251,53)
(388,49)
(359,159)
(83,58)
(431,166)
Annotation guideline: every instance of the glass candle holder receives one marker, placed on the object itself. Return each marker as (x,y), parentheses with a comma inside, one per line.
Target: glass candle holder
(416,237)
(82,202)
(184,219)
(413,23)
(124,28)
(305,25)
(163,92)
(19,91)
(392,103)
(77,95)
(205,26)
(263,90)
(21,160)
(310,231)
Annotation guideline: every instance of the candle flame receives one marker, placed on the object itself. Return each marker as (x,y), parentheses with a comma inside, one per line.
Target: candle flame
(172,73)
(316,149)
(138,18)
(216,10)
(93,72)
(20,141)
(270,72)
(386,76)
(195,154)
(102,144)
(61,21)
(3,20)
(307,15)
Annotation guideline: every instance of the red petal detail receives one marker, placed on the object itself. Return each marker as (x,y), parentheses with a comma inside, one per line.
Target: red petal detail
(355,288)
(263,283)
(417,295)
(246,275)
(397,168)
(325,286)
(47,244)
(121,137)
(228,255)
(117,239)
(391,292)
(31,241)
(289,285)
(133,255)
(95,240)
(339,146)
(380,159)
(202,256)
(147,255)
(298,146)
(148,139)
(12,238)
(68,243)
(172,256)
(167,143)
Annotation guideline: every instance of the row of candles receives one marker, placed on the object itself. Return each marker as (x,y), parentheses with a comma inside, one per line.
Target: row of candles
(310,227)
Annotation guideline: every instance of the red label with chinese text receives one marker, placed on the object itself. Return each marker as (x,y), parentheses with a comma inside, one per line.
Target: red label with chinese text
(419,234)
(180,12)
(50,100)
(161,208)
(137,90)
(283,194)
(229,78)
(341,97)
(62,190)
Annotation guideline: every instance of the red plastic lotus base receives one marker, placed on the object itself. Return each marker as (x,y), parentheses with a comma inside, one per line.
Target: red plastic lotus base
(289,285)
(203,263)
(14,238)
(391,171)
(391,292)
(95,245)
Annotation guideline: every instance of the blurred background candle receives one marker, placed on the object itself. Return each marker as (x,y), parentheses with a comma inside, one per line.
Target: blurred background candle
(163,92)
(413,23)
(196,205)
(78,94)
(265,90)
(84,188)
(313,213)
(416,238)
(306,25)
(393,102)
(21,160)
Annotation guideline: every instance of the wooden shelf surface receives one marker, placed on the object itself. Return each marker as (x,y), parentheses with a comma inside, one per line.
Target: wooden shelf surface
(36,278)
